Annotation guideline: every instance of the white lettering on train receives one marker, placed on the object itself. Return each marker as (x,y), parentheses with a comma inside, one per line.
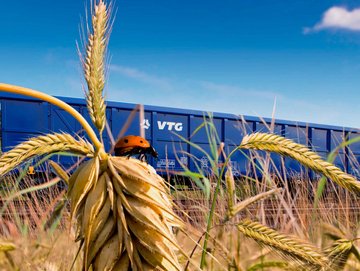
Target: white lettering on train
(165,125)
(177,126)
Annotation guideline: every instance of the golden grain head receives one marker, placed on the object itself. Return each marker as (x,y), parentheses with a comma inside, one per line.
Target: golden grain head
(124,215)
(287,246)
(94,65)
(41,145)
(287,147)
(339,252)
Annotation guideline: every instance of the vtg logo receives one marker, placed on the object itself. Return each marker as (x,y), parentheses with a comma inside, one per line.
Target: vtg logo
(165,125)
(146,124)
(177,126)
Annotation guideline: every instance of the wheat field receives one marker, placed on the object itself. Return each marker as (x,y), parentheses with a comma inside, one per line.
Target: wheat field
(279,232)
(116,213)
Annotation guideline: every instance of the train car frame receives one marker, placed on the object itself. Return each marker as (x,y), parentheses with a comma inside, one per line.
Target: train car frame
(23,117)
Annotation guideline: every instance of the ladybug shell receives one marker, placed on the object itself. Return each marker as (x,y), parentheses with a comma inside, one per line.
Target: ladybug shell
(134,145)
(132,141)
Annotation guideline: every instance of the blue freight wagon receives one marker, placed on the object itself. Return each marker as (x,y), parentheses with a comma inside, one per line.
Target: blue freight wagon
(23,117)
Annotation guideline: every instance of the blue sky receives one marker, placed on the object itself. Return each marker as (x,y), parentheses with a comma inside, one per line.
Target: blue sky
(225,56)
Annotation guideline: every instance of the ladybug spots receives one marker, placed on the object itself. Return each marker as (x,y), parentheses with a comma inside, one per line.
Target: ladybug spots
(132,145)
(132,141)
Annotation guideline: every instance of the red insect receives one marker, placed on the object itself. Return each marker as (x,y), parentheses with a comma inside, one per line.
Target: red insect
(134,145)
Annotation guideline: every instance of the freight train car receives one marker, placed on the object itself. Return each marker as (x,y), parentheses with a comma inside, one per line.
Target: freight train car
(23,117)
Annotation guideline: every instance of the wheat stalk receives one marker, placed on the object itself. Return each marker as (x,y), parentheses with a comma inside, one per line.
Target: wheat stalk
(44,144)
(246,202)
(94,65)
(288,246)
(287,147)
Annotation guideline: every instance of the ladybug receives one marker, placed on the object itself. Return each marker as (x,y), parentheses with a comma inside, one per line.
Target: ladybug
(134,145)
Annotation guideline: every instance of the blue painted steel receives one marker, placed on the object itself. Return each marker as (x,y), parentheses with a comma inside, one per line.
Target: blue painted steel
(355,148)
(119,117)
(23,117)
(171,154)
(201,136)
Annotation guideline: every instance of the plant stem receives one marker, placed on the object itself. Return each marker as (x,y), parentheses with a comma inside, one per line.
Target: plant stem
(50,99)
(209,223)
(212,208)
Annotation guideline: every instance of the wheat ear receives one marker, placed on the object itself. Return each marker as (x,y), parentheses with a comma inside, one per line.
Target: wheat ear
(41,145)
(124,216)
(287,246)
(287,147)
(94,65)
(339,253)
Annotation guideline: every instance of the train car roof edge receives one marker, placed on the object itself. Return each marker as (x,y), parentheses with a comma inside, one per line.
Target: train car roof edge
(172,110)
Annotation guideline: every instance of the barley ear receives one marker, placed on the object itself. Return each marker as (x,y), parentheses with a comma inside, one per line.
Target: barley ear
(41,145)
(289,247)
(94,64)
(287,147)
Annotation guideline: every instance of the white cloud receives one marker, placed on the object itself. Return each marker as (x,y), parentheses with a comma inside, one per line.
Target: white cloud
(141,76)
(338,18)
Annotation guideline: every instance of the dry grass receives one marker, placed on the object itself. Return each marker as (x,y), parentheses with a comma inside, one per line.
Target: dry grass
(228,247)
